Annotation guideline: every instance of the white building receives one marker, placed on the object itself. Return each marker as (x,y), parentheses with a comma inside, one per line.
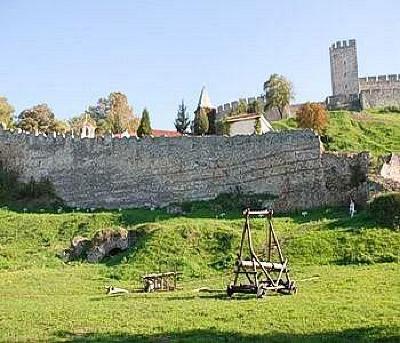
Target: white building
(245,124)
(88,130)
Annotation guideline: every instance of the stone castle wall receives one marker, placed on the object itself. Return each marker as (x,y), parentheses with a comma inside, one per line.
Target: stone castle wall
(130,172)
(379,91)
(353,93)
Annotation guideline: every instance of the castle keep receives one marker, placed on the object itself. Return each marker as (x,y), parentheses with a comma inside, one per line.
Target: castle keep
(106,172)
(349,91)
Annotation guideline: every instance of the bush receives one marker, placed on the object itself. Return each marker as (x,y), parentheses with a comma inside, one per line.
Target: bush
(386,209)
(15,193)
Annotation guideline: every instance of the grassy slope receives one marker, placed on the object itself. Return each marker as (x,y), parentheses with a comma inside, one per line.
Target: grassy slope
(371,131)
(42,297)
(341,304)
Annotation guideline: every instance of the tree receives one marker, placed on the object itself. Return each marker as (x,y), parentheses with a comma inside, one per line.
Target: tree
(312,116)
(200,122)
(182,120)
(113,113)
(6,112)
(120,113)
(278,93)
(256,106)
(59,126)
(241,108)
(144,128)
(39,117)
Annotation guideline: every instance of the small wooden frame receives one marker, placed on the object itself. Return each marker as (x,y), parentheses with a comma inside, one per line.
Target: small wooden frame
(261,276)
(161,281)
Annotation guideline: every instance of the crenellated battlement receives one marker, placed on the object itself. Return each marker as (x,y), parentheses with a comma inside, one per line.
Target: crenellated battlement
(18,135)
(227,107)
(380,79)
(343,44)
(21,138)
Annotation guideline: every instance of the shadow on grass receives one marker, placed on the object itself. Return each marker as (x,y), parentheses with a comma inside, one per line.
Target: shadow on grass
(362,334)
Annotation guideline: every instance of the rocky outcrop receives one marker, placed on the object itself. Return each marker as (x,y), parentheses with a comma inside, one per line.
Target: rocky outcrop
(105,243)
(391,168)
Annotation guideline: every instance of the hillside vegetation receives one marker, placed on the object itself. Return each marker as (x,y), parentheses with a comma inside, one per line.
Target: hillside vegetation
(347,270)
(374,131)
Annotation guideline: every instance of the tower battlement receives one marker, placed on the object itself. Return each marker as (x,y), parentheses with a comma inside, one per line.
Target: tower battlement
(344,68)
(351,43)
(349,91)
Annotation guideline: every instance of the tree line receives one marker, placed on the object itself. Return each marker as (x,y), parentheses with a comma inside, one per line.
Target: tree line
(110,114)
(113,114)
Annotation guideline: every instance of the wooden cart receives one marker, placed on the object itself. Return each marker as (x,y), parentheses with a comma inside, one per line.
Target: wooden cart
(160,281)
(261,275)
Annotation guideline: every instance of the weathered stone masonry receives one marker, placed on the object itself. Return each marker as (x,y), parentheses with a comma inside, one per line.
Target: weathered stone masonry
(113,173)
(351,92)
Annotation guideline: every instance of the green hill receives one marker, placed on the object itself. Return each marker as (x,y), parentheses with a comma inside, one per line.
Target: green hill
(197,246)
(374,131)
(346,269)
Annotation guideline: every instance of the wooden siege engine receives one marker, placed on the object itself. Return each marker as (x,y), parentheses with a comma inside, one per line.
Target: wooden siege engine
(258,275)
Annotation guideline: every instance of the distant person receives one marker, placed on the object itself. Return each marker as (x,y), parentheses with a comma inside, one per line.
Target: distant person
(352,208)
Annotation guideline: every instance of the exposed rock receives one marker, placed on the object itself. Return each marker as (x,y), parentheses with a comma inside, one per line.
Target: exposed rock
(105,243)
(79,246)
(391,168)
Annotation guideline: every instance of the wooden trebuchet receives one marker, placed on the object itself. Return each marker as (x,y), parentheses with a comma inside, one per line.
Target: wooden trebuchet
(259,275)
(160,281)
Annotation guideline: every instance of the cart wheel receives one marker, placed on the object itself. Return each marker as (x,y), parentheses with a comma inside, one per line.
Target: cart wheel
(293,288)
(149,286)
(229,291)
(260,291)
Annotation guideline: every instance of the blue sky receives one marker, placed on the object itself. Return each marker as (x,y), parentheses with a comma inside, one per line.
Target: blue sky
(70,53)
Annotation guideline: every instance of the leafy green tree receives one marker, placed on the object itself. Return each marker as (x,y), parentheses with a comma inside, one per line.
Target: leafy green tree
(59,126)
(200,122)
(6,112)
(120,113)
(256,106)
(241,108)
(182,120)
(223,127)
(278,92)
(113,113)
(39,117)
(211,114)
(144,128)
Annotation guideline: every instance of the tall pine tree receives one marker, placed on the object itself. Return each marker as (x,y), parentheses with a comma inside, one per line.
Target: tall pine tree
(144,128)
(182,120)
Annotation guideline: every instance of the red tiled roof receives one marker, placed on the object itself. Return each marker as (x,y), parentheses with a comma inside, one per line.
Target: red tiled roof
(165,133)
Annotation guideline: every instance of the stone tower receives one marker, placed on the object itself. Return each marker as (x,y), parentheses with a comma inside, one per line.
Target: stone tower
(344,68)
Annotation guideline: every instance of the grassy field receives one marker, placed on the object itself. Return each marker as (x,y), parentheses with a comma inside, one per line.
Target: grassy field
(347,270)
(371,131)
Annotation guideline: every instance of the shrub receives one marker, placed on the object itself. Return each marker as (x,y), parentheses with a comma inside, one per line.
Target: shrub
(312,116)
(386,209)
